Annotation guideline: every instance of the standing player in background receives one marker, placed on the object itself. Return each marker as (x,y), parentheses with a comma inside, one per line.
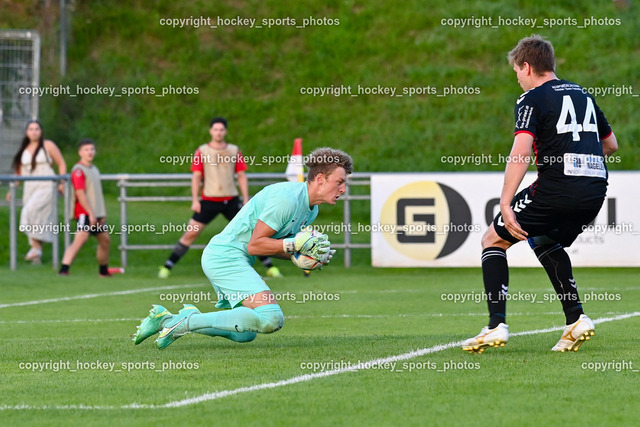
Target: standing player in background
(571,138)
(214,166)
(90,211)
(269,224)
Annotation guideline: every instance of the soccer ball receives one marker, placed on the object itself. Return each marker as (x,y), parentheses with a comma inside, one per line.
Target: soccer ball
(305,262)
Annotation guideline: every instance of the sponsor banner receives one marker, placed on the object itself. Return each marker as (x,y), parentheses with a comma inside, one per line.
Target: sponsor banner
(438,219)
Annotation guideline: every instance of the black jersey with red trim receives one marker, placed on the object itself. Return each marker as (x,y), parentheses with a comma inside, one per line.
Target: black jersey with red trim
(567,128)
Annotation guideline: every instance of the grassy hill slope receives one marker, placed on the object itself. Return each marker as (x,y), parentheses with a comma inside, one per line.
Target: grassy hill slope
(254,77)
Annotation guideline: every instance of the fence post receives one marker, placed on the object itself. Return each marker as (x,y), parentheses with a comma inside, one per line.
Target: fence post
(13,238)
(55,244)
(122,183)
(346,219)
(67,213)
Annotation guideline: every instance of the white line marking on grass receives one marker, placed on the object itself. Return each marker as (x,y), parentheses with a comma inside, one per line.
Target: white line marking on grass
(105,294)
(300,378)
(360,366)
(324,316)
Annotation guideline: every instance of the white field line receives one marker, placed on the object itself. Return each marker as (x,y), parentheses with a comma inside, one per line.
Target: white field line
(165,288)
(298,379)
(323,316)
(104,294)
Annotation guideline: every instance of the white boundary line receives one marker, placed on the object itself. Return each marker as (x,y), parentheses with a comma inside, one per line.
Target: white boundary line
(300,378)
(299,317)
(105,294)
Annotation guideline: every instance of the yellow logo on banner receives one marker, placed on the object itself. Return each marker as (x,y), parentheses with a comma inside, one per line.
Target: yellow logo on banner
(425,220)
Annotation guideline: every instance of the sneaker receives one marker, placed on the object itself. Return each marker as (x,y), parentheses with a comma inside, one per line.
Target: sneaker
(152,324)
(164,273)
(575,334)
(274,272)
(177,326)
(34,255)
(496,337)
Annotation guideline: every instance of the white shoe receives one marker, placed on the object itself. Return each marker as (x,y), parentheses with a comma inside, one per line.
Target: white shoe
(575,334)
(34,255)
(496,337)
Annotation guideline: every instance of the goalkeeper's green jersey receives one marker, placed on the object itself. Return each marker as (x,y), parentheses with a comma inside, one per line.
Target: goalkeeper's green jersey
(284,207)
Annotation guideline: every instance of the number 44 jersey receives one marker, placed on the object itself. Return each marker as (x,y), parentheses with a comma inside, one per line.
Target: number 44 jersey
(567,128)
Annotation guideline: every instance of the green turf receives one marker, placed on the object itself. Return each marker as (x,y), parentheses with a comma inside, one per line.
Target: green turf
(355,315)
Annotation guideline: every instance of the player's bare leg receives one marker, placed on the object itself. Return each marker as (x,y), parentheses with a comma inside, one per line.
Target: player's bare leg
(70,254)
(194,229)
(102,253)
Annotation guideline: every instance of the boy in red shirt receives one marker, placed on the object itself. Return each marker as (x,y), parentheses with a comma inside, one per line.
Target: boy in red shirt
(89,211)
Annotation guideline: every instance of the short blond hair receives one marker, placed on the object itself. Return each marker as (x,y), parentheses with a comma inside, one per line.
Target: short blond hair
(325,160)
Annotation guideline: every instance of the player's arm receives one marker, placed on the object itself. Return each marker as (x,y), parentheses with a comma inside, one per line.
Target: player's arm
(609,144)
(196,181)
(57,158)
(514,173)
(243,183)
(261,242)
(81,197)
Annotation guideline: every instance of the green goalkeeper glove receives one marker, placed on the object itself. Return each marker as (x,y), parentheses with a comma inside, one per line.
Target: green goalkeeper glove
(326,257)
(307,242)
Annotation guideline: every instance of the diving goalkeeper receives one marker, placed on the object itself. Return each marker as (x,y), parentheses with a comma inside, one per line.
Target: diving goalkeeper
(272,224)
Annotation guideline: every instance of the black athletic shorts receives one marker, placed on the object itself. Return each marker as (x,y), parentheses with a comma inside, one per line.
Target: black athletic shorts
(561,224)
(209,210)
(84,225)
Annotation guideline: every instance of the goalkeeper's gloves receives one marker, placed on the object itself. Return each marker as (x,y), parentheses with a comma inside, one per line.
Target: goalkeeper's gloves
(307,243)
(326,257)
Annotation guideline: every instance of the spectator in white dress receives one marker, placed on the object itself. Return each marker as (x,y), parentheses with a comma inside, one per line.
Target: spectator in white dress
(35,158)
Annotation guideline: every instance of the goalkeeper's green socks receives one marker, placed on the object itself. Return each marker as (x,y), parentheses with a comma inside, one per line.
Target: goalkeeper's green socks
(264,319)
(233,336)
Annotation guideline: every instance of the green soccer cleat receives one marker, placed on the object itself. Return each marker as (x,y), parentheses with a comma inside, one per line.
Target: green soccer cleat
(152,324)
(274,272)
(164,273)
(177,326)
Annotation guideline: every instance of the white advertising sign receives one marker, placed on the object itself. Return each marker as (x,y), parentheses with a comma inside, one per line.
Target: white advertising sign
(438,219)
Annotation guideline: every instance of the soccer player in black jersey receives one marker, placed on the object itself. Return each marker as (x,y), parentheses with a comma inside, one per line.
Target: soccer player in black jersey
(570,138)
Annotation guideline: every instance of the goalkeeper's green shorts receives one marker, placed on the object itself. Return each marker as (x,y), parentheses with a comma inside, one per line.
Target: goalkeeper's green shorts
(231,274)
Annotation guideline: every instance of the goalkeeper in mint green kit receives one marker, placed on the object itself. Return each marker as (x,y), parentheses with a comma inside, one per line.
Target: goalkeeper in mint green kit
(273,223)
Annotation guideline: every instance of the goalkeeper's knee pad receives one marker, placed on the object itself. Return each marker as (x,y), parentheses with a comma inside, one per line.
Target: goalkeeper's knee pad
(271,318)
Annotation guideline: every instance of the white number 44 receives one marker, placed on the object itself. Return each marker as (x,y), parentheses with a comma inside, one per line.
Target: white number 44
(589,124)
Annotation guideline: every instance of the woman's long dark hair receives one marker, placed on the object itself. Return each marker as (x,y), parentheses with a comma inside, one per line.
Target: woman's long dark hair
(17,159)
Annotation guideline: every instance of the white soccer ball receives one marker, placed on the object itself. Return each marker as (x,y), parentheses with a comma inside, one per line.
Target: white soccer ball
(305,262)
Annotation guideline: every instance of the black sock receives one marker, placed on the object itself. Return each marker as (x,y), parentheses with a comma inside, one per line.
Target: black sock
(557,264)
(64,268)
(495,273)
(178,252)
(104,270)
(266,261)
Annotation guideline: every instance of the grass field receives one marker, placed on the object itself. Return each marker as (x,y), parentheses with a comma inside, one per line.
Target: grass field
(307,373)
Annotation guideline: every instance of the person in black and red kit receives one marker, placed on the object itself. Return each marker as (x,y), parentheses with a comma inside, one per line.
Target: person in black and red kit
(214,166)
(571,138)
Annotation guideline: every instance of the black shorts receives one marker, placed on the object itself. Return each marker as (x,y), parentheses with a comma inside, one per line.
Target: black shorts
(84,225)
(209,210)
(561,224)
